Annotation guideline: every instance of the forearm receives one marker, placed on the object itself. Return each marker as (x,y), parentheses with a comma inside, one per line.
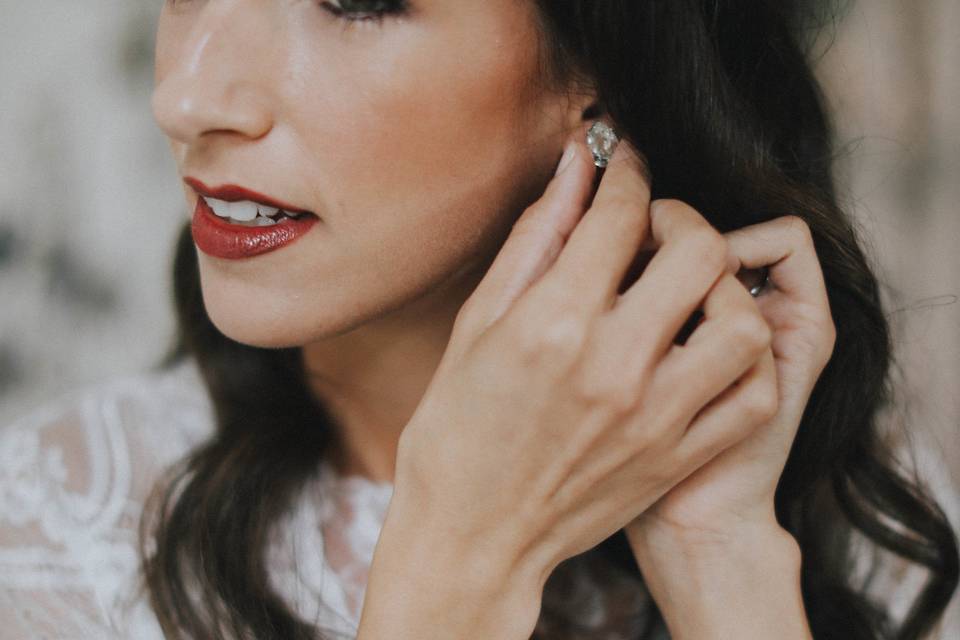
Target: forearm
(743,588)
(425,584)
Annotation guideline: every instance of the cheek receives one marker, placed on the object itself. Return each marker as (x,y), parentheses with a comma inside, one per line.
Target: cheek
(418,170)
(413,153)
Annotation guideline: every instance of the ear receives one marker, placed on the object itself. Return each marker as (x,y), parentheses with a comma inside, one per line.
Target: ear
(582,106)
(568,108)
(593,111)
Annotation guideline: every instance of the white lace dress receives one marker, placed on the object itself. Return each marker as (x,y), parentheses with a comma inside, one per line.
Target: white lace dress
(73,479)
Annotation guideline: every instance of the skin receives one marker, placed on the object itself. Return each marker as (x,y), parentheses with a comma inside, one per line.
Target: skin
(279,97)
(711,551)
(415,168)
(712,544)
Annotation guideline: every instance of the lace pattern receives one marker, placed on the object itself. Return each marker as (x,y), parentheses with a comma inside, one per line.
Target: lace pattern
(73,479)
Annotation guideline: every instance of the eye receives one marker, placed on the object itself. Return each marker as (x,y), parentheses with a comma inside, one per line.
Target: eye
(364,9)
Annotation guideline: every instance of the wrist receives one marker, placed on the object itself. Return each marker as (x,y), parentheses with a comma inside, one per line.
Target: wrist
(743,583)
(650,537)
(666,552)
(426,581)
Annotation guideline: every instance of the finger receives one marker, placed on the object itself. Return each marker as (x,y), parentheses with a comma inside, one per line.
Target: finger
(603,244)
(537,236)
(729,340)
(750,278)
(691,258)
(785,245)
(733,415)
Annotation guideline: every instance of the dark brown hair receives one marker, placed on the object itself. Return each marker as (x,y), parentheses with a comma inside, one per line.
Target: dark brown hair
(720,97)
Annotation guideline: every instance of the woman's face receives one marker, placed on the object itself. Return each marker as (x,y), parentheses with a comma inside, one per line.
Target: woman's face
(416,140)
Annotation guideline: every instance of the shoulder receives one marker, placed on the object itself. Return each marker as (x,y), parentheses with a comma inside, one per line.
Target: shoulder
(73,478)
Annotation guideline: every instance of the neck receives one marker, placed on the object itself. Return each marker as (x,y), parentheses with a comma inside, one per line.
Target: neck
(371,378)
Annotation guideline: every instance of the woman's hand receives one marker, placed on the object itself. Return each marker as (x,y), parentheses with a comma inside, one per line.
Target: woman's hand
(734,492)
(711,551)
(561,409)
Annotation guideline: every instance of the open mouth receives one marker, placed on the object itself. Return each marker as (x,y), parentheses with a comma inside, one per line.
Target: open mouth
(243,207)
(245,228)
(250,214)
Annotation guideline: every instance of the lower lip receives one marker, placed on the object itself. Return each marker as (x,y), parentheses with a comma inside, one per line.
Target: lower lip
(221,239)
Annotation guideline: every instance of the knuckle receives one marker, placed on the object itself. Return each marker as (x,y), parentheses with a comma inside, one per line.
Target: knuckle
(799,229)
(750,328)
(770,394)
(669,207)
(612,391)
(611,396)
(712,248)
(707,245)
(760,403)
(561,336)
(644,437)
(739,430)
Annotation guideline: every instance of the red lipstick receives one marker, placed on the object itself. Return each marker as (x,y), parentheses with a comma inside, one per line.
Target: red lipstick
(220,238)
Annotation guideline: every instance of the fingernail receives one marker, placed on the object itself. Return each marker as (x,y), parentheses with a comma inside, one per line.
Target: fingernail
(568,154)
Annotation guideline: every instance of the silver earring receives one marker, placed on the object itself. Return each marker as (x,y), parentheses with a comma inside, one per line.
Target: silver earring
(602,141)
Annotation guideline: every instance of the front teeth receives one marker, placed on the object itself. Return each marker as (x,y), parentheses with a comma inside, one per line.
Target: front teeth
(242,211)
(245,211)
(220,207)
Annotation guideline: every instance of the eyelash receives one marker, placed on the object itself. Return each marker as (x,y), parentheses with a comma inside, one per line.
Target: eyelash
(393,8)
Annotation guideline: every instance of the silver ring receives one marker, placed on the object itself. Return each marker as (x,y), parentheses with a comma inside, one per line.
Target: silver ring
(758,288)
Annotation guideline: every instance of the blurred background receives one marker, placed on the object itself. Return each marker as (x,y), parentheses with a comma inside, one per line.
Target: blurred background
(90,201)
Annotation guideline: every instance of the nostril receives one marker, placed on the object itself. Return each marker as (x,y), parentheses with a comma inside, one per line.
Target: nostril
(187,107)
(178,111)
(173,111)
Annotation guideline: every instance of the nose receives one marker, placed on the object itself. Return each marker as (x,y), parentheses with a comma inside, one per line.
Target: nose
(216,77)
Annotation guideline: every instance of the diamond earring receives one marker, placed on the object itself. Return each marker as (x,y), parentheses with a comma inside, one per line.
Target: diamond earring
(602,141)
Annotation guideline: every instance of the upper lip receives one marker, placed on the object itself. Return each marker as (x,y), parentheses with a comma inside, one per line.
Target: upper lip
(235,193)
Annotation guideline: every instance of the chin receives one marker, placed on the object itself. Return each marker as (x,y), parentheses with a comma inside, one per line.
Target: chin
(252,333)
(271,317)
(275,316)
(259,327)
